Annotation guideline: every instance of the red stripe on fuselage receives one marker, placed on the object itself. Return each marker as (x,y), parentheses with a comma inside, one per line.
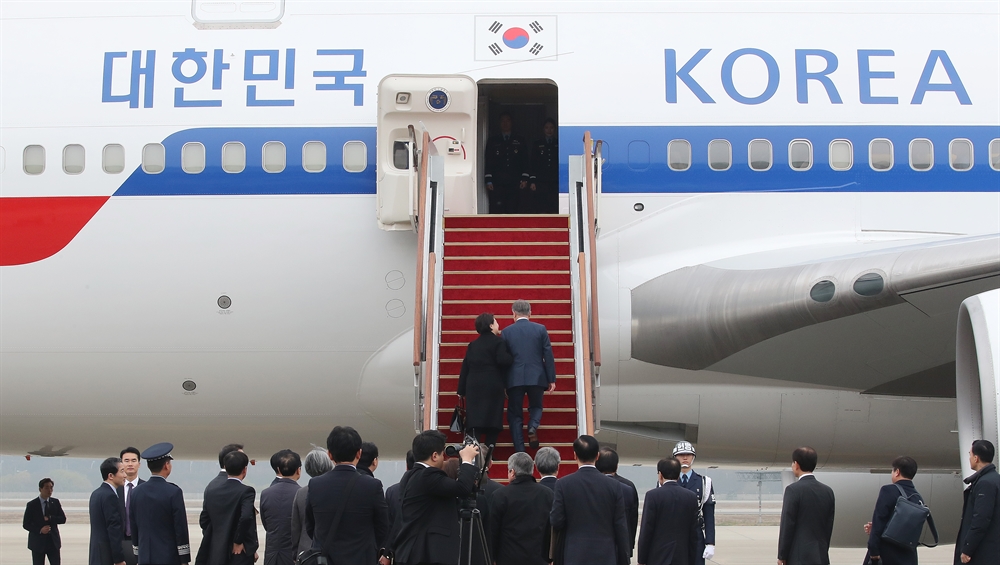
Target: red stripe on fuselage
(34,228)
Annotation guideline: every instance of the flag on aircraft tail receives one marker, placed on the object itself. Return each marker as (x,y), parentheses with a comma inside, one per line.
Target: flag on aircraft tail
(515,38)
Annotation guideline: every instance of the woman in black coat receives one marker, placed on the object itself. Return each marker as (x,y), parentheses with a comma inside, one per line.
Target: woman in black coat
(483,380)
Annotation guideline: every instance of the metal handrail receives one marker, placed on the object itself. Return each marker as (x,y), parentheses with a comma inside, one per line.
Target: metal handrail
(428,384)
(588,387)
(418,302)
(592,165)
(424,289)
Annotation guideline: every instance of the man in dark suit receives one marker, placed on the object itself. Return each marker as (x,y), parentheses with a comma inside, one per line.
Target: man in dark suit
(547,462)
(228,517)
(887,553)
(669,520)
(506,164)
(219,479)
(607,463)
(158,517)
(346,511)
(519,517)
(589,511)
(276,508)
(532,373)
(429,527)
(369,459)
(42,517)
(807,512)
(979,535)
(106,528)
(130,457)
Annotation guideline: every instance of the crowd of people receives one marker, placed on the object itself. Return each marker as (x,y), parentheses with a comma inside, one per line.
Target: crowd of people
(591,516)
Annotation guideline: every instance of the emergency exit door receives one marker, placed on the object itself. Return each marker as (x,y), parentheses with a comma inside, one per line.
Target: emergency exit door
(446,107)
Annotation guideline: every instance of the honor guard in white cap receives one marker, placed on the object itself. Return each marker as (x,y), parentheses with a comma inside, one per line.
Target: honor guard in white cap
(702,487)
(158,516)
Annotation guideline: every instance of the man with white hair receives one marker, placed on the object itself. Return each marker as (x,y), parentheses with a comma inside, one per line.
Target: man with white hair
(519,516)
(547,462)
(532,373)
(316,463)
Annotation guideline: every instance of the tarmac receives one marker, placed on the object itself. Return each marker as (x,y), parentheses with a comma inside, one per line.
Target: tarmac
(736,545)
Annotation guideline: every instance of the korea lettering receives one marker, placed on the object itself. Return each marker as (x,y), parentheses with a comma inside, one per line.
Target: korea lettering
(190,66)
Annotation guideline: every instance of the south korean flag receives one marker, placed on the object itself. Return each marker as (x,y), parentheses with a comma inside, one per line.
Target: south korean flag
(515,38)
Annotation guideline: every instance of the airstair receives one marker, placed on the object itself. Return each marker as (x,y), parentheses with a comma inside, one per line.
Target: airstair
(469,264)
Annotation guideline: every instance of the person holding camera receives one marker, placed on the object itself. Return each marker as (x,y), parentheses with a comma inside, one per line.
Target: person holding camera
(483,380)
(429,526)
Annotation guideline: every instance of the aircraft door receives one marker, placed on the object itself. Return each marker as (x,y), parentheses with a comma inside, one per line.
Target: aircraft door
(447,107)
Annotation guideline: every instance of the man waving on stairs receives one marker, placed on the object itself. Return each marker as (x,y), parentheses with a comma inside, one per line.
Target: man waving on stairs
(532,373)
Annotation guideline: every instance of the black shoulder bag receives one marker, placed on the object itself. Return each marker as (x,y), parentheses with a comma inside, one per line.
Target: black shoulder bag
(907,523)
(314,555)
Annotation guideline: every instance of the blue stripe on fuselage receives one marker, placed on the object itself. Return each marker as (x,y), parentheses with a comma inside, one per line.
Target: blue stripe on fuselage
(627,169)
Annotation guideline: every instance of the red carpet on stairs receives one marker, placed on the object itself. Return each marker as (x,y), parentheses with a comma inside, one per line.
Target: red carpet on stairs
(490,261)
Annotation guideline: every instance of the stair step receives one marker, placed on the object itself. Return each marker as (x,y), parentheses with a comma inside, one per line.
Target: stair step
(477,276)
(477,307)
(526,292)
(457,351)
(454,366)
(554,235)
(507,221)
(466,322)
(463,249)
(562,399)
(506,263)
(557,336)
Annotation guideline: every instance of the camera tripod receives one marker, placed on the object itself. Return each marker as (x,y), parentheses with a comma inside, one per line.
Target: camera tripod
(470,520)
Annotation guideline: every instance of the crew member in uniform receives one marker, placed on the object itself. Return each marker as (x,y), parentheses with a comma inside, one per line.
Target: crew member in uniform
(506,168)
(702,487)
(543,194)
(158,516)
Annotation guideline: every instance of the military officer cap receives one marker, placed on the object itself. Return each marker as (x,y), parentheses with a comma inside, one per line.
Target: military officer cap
(158,452)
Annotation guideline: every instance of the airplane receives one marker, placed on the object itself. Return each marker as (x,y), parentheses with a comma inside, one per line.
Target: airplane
(210,221)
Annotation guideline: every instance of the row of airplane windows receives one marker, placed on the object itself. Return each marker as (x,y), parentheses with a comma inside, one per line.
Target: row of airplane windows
(760,156)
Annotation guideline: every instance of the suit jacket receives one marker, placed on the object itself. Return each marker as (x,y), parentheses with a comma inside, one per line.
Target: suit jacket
(121,501)
(203,551)
(532,351)
(590,511)
(227,518)
(979,534)
(34,521)
(300,537)
(890,553)
(159,523)
(483,381)
(519,522)
(631,508)
(106,528)
(548,482)
(276,503)
(364,523)
(669,526)
(428,531)
(807,512)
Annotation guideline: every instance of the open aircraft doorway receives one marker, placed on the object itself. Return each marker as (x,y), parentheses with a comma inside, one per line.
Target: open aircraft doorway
(528,103)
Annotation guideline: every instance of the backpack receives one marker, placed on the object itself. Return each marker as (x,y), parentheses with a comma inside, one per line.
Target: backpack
(907,522)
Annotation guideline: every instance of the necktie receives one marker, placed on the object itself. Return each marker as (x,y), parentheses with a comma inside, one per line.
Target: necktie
(684,480)
(128,504)
(506,137)
(45,508)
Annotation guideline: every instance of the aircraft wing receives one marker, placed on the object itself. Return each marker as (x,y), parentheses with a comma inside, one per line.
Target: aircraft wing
(881,322)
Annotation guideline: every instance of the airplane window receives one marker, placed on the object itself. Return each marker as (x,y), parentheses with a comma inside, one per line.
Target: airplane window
(314,156)
(34,159)
(994,155)
(113,158)
(74,159)
(400,155)
(234,157)
(679,155)
(921,154)
(960,154)
(3,159)
(880,154)
(154,158)
(869,284)
(193,158)
(760,154)
(720,154)
(800,155)
(355,156)
(823,291)
(273,156)
(841,155)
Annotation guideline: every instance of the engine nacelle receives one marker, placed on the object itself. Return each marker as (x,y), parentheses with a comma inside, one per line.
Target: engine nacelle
(977,372)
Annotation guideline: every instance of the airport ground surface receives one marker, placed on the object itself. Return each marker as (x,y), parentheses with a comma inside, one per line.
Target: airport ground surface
(739,540)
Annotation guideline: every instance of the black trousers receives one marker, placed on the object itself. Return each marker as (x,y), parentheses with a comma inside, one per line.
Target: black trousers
(491,435)
(38,555)
(504,196)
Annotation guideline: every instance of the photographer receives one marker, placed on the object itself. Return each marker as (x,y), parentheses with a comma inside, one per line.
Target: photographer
(483,380)
(429,531)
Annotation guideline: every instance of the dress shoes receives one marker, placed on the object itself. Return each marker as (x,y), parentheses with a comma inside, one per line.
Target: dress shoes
(533,438)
